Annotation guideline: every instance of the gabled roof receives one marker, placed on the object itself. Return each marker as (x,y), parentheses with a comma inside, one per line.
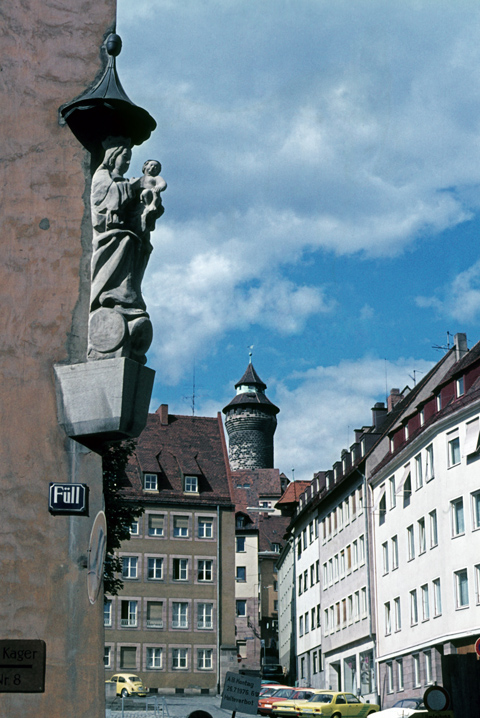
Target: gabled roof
(249,485)
(271,529)
(186,445)
(293,492)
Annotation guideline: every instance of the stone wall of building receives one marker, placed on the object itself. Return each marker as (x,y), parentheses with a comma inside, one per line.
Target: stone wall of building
(250,438)
(50,52)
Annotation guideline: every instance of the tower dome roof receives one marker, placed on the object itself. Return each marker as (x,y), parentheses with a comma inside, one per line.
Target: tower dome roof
(250,391)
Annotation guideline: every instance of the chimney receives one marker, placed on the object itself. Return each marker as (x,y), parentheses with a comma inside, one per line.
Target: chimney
(162,411)
(394,398)
(379,412)
(461,348)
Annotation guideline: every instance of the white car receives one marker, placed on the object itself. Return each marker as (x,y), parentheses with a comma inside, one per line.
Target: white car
(404,708)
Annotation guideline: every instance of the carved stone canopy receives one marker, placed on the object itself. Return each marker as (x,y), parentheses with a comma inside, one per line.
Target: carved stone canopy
(107,110)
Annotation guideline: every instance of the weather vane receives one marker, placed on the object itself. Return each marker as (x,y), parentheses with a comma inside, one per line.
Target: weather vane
(250,352)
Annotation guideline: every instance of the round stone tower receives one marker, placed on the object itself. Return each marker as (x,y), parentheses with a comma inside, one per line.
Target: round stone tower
(250,420)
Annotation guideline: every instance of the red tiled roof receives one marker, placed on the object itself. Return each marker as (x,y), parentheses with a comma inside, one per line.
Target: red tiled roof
(187,445)
(271,529)
(293,492)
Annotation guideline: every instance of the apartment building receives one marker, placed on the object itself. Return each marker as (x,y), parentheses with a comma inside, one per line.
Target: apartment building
(426,529)
(173,622)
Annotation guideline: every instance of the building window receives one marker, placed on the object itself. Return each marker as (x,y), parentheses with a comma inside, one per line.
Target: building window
(129,613)
(382,510)
(205,616)
(312,574)
(398,614)
(394,546)
(461,588)
(107,613)
(315,663)
(425,603)
(428,668)
(317,570)
(150,482)
(458,519)
(302,667)
(128,657)
(410,543)
(180,526)
(433,529)
(437,598)
(155,524)
(242,650)
(400,680)
(180,569)
(361,550)
(389,677)
(471,438)
(407,491)
(191,484)
(154,614)
(134,528)
(155,569)
(453,451)
(179,659)
(129,567)
(413,607)
(477,584)
(416,670)
(392,492)
(107,657)
(240,542)
(205,570)
(179,614)
(429,468)
(155,658)
(307,623)
(342,564)
(300,626)
(310,531)
(241,573)
(240,522)
(388,619)
(241,607)
(422,417)
(385,557)
(312,617)
(363,602)
(460,386)
(205,528)
(204,659)
(439,402)
(276,547)
(422,542)
(300,584)
(418,472)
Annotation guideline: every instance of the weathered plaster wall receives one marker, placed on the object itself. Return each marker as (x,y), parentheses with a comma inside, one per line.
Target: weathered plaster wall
(49,53)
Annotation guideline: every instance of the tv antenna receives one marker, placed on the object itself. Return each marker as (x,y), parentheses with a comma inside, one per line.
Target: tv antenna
(414,377)
(444,347)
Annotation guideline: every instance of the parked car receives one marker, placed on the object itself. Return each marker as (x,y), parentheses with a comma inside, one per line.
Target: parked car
(268,699)
(336,705)
(128,685)
(291,706)
(404,708)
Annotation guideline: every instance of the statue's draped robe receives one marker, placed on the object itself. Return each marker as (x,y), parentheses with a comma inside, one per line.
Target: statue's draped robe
(120,253)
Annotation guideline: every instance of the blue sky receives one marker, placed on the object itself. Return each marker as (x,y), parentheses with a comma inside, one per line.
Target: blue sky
(323,170)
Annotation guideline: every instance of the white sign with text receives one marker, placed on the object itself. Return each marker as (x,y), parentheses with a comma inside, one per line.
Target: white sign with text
(240,693)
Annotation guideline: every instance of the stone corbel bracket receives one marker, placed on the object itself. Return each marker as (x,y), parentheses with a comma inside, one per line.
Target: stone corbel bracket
(103,401)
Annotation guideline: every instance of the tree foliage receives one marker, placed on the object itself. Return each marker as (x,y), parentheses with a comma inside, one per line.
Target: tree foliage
(119,511)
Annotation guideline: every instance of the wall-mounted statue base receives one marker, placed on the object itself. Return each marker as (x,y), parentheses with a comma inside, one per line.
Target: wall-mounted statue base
(113,334)
(103,401)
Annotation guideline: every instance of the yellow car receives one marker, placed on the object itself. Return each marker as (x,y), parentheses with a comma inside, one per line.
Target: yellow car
(336,705)
(128,685)
(291,706)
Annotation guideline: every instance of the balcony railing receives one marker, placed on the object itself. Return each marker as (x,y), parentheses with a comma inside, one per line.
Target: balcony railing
(154,623)
(128,622)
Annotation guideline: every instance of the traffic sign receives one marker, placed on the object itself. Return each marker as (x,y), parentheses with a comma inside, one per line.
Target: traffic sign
(68,498)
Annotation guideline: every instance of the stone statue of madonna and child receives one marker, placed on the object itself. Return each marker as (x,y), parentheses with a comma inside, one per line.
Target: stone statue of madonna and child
(124,212)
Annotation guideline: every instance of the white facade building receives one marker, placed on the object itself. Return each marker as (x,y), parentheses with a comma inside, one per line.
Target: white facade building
(426,530)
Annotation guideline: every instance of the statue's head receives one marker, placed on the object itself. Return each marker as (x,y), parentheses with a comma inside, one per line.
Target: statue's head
(118,153)
(152,168)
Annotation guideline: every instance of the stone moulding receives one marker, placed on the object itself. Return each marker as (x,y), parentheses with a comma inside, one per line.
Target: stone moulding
(103,401)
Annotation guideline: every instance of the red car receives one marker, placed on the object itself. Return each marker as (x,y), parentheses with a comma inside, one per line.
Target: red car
(267,700)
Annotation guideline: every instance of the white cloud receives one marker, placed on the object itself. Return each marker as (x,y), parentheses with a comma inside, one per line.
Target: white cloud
(320,413)
(459,300)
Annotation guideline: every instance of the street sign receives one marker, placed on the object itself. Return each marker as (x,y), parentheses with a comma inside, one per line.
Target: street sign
(477,646)
(22,666)
(68,498)
(240,693)
(436,698)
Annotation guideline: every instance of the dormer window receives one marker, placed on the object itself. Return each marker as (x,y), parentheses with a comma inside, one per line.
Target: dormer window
(422,417)
(460,386)
(406,431)
(240,522)
(150,482)
(191,484)
(276,547)
(439,402)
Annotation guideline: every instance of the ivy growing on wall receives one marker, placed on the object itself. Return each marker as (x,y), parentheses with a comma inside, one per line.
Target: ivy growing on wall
(120,512)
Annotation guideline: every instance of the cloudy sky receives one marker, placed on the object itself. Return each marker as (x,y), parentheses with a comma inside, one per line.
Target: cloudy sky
(323,170)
